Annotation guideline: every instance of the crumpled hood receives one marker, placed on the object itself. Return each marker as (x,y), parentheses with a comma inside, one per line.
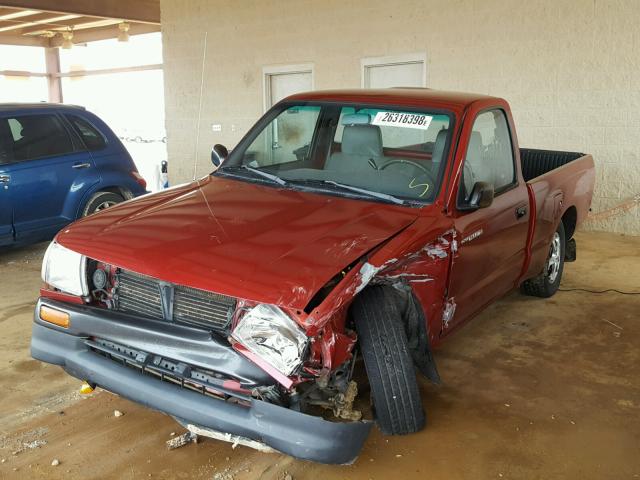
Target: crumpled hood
(236,238)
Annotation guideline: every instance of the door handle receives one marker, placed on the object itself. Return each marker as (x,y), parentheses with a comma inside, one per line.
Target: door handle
(81,165)
(5,178)
(521,211)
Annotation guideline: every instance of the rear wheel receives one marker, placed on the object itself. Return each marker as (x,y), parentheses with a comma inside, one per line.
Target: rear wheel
(547,283)
(101,201)
(384,346)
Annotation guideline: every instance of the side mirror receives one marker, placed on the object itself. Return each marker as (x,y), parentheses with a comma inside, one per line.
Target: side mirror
(481,196)
(219,154)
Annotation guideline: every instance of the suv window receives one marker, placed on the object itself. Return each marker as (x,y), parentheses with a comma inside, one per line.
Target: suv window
(91,137)
(37,136)
(489,155)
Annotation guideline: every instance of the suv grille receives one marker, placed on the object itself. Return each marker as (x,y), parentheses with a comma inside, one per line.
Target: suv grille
(143,295)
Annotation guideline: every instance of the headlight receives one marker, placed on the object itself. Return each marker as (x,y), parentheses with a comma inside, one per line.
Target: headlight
(65,270)
(271,334)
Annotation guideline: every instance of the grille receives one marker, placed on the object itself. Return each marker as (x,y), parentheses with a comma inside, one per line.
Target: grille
(187,376)
(143,295)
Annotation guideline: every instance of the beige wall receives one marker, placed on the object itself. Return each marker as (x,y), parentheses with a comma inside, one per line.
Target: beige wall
(570,69)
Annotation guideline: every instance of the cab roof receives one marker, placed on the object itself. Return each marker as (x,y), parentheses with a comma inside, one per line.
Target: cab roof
(409,96)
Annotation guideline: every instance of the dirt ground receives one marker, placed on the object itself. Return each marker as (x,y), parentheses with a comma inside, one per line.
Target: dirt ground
(532,389)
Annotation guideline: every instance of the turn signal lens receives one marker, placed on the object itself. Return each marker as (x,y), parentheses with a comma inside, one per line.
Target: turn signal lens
(54,316)
(86,388)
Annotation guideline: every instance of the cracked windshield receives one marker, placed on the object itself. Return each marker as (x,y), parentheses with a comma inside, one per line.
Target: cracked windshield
(391,155)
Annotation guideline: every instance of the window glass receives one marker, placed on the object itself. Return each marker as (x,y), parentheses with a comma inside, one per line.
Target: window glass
(399,137)
(91,137)
(37,136)
(286,139)
(345,149)
(489,156)
(6,143)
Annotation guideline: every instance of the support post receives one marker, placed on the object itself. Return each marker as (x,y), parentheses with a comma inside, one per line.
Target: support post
(52,59)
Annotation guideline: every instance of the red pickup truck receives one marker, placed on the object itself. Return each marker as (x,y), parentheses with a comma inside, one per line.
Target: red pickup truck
(346,228)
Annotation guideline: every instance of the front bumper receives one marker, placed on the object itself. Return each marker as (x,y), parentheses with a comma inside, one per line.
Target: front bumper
(294,433)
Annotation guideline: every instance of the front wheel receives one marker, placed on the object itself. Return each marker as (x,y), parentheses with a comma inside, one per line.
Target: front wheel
(100,201)
(547,283)
(387,360)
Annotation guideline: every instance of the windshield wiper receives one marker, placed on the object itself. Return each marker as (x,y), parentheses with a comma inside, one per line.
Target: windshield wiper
(370,193)
(269,176)
(383,196)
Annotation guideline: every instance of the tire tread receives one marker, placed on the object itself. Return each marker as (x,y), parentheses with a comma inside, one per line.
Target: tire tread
(388,363)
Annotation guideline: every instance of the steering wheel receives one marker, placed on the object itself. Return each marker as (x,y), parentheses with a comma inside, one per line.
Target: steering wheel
(415,164)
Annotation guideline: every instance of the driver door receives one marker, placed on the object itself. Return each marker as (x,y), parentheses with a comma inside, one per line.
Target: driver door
(492,241)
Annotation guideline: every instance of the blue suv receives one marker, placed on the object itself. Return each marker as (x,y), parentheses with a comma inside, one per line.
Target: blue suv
(58,163)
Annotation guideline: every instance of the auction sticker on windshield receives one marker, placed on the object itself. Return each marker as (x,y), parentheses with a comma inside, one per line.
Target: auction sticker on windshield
(402,120)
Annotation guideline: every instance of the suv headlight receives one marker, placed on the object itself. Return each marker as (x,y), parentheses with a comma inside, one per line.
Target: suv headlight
(65,270)
(268,332)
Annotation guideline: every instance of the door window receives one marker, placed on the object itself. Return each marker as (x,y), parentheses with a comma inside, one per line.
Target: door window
(38,136)
(6,143)
(489,156)
(91,137)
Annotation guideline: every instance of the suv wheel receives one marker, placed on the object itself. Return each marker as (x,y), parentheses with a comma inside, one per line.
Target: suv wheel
(100,201)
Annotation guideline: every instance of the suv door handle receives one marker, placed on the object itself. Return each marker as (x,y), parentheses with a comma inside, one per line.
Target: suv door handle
(5,178)
(521,211)
(81,165)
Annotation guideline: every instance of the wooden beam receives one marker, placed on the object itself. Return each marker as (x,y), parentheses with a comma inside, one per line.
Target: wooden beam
(12,39)
(144,11)
(106,71)
(21,73)
(47,19)
(58,25)
(16,13)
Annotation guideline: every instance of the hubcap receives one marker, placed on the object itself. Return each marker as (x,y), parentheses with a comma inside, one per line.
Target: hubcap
(553,263)
(103,205)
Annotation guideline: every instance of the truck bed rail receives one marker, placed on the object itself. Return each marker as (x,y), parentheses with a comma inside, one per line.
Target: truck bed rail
(538,162)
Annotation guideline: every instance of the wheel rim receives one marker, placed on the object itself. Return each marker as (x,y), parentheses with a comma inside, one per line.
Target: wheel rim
(103,205)
(553,263)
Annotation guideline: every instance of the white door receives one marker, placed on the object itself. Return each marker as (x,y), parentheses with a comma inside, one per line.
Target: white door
(280,82)
(396,71)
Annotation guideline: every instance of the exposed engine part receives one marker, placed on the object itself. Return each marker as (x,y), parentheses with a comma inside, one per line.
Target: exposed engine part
(343,403)
(99,279)
(336,393)
(271,394)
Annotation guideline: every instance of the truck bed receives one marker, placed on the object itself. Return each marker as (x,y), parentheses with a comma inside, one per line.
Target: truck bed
(538,162)
(557,182)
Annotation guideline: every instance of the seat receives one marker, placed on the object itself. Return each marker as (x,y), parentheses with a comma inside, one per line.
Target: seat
(438,152)
(361,146)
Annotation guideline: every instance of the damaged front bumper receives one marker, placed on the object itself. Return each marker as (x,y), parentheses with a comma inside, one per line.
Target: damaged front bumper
(288,431)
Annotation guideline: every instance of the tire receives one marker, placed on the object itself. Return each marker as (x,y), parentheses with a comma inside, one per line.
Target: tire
(547,283)
(385,351)
(101,200)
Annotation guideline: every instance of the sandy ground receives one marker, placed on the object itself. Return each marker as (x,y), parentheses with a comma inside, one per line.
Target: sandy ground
(532,389)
